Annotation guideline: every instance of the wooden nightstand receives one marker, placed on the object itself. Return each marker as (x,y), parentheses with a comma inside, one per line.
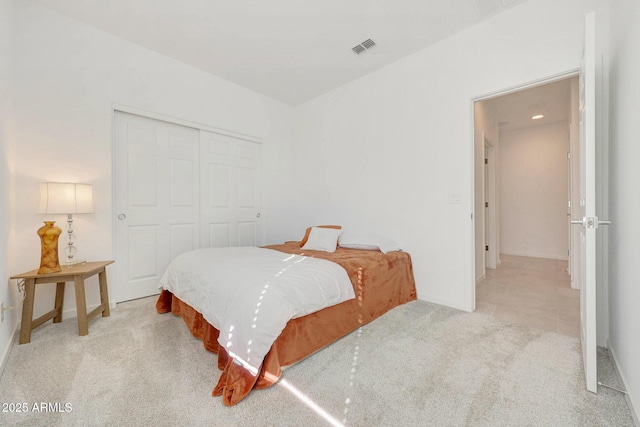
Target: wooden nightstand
(75,273)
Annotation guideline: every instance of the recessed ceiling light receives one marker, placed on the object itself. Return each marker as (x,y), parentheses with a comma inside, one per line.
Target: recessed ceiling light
(536,117)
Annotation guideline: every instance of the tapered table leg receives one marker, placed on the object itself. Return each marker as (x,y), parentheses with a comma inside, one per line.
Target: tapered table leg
(81,306)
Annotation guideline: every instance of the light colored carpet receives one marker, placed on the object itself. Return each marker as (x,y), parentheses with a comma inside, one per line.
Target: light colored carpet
(419,365)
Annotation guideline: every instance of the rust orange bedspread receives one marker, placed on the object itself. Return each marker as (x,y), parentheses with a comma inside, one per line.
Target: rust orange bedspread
(381,282)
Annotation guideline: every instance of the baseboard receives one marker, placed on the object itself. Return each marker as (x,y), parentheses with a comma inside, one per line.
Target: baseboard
(7,352)
(445,302)
(536,255)
(621,380)
(480,279)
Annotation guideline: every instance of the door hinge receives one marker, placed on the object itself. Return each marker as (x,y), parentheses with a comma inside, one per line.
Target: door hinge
(486,204)
(568,155)
(486,161)
(486,248)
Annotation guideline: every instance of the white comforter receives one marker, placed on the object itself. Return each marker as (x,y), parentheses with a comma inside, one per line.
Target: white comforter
(249,294)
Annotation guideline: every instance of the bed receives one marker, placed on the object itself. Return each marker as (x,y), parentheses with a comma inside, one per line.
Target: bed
(380,281)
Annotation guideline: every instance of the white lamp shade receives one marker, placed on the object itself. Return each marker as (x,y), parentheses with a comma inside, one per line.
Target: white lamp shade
(65,198)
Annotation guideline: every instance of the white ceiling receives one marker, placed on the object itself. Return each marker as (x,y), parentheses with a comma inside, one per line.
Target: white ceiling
(514,110)
(289,50)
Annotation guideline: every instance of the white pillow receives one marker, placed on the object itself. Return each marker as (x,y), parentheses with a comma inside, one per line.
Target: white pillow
(322,239)
(368,242)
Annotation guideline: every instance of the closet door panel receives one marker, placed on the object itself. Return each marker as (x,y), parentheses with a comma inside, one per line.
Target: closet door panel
(230,198)
(156,180)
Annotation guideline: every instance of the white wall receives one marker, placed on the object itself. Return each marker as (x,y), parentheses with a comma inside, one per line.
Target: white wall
(385,152)
(7,293)
(624,233)
(70,75)
(534,191)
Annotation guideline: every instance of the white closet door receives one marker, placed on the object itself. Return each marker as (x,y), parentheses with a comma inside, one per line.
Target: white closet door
(230,191)
(156,200)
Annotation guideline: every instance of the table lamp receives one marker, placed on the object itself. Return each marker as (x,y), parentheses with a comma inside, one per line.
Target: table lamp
(66,198)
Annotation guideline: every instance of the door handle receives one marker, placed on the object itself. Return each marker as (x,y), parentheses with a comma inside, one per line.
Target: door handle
(591,222)
(122,217)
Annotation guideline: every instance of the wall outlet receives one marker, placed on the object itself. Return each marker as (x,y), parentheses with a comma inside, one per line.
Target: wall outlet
(2,310)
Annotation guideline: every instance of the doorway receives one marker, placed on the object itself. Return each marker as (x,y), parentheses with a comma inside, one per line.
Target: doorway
(527,233)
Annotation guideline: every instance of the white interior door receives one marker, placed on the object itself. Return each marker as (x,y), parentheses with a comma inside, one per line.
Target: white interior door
(589,221)
(156,200)
(576,210)
(231,193)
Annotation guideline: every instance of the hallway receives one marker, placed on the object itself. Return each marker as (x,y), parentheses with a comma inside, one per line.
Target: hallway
(534,292)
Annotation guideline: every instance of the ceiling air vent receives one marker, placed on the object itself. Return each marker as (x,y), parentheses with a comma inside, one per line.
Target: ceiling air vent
(358,49)
(362,47)
(368,44)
